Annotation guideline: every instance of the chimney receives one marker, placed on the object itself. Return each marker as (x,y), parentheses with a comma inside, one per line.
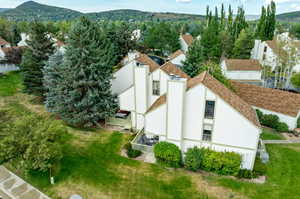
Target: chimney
(175,108)
(141,75)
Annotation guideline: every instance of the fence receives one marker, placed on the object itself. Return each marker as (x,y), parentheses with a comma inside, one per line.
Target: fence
(141,147)
(8,67)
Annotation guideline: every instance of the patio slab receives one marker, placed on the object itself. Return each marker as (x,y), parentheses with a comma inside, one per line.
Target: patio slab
(13,187)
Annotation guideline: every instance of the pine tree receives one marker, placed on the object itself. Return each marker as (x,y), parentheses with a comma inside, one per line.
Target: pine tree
(191,65)
(210,41)
(243,45)
(40,47)
(84,82)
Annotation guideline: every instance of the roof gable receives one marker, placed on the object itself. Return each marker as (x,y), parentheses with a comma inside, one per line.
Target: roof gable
(146,60)
(172,69)
(219,89)
(176,54)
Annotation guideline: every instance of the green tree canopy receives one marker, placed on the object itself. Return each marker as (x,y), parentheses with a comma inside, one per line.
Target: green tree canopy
(243,45)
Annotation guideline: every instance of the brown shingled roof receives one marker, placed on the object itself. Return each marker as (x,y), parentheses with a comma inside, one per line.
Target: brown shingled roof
(172,69)
(145,59)
(160,101)
(176,54)
(3,42)
(243,65)
(219,89)
(271,99)
(188,39)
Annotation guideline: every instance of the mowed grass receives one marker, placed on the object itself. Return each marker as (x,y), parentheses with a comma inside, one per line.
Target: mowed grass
(93,167)
(271,135)
(10,84)
(283,176)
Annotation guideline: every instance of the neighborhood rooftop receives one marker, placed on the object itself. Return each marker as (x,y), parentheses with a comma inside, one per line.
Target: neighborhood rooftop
(243,65)
(270,99)
(172,69)
(176,54)
(235,101)
(146,60)
(3,42)
(188,39)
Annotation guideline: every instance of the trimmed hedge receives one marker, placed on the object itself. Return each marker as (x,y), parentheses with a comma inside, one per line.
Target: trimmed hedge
(223,163)
(193,158)
(272,121)
(168,154)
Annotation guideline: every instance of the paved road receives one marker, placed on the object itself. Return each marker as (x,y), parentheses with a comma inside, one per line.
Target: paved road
(16,188)
(281,141)
(3,195)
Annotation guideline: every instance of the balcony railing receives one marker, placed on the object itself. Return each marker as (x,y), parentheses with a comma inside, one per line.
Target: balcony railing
(138,145)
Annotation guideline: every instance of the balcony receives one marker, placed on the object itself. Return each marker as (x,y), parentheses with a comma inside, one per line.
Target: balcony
(142,143)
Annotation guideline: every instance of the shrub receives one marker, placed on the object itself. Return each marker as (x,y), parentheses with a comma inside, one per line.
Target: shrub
(245,173)
(270,121)
(223,163)
(260,168)
(298,123)
(168,154)
(282,127)
(193,158)
(131,153)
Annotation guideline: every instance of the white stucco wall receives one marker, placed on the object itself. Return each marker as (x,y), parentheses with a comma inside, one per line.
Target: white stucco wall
(126,100)
(162,77)
(175,107)
(141,88)
(289,120)
(179,60)
(183,44)
(123,78)
(156,121)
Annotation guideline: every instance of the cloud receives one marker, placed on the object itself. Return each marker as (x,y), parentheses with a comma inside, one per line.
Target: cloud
(183,1)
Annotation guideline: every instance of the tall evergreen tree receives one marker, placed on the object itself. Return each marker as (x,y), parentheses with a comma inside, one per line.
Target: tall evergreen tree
(260,30)
(266,27)
(243,45)
(210,40)
(40,47)
(240,23)
(191,65)
(84,82)
(223,15)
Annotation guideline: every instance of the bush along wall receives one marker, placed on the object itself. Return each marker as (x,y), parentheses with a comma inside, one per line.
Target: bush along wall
(223,163)
(272,121)
(168,154)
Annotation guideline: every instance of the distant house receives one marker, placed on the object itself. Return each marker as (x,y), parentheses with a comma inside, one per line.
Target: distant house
(4,43)
(165,104)
(5,66)
(284,104)
(243,70)
(177,58)
(267,52)
(136,35)
(186,41)
(24,37)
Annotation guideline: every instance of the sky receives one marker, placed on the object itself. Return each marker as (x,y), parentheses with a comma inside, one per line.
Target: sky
(252,7)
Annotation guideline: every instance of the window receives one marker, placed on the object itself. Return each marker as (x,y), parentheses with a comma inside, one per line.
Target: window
(209,110)
(206,135)
(156,88)
(265,49)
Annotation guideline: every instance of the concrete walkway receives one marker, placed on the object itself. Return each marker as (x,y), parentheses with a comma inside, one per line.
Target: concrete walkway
(281,141)
(13,187)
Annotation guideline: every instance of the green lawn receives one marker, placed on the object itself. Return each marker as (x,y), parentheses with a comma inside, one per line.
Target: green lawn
(10,84)
(271,135)
(93,167)
(283,176)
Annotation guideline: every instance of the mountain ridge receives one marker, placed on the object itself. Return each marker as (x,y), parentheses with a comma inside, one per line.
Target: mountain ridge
(31,10)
